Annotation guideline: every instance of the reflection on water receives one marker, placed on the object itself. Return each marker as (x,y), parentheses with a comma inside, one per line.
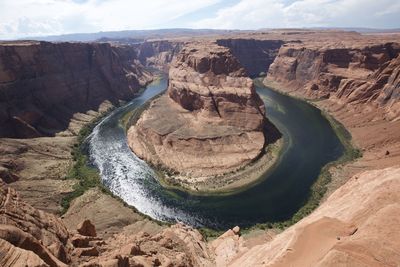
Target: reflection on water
(310,141)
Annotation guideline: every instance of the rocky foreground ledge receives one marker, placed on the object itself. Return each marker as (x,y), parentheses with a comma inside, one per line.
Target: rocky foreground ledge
(210,122)
(347,230)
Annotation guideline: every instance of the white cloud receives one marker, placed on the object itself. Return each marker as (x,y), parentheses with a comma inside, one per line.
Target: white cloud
(393,8)
(21,18)
(253,14)
(44,17)
(249,14)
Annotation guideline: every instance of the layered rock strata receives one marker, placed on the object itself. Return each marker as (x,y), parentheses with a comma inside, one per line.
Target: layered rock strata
(157,54)
(254,55)
(358,225)
(30,235)
(42,85)
(211,120)
(364,73)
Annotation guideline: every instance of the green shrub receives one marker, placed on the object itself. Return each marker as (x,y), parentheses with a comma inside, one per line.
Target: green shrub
(87,177)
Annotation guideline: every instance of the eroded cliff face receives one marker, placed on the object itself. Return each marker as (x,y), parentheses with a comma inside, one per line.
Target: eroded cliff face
(254,55)
(43,84)
(356,225)
(157,54)
(210,121)
(355,74)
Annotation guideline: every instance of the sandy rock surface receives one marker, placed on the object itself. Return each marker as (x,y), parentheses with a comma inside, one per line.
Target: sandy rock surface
(210,121)
(357,225)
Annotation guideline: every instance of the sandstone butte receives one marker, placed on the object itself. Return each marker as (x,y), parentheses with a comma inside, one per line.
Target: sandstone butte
(355,77)
(211,120)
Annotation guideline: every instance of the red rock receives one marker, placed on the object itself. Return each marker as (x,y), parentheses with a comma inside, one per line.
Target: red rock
(362,73)
(27,228)
(91,252)
(254,55)
(81,241)
(210,122)
(86,228)
(157,54)
(44,84)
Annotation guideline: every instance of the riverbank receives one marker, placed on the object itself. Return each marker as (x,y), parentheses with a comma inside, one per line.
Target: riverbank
(80,169)
(229,183)
(225,184)
(321,188)
(290,115)
(89,196)
(332,175)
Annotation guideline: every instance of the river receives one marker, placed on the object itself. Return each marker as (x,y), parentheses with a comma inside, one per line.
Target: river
(309,142)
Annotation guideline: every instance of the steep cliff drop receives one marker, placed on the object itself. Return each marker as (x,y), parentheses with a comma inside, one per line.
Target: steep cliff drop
(356,225)
(55,89)
(348,73)
(254,55)
(157,54)
(210,122)
(356,82)
(44,84)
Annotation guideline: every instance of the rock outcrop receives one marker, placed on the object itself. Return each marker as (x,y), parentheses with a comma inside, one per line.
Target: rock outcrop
(211,120)
(27,234)
(363,73)
(42,85)
(30,237)
(348,229)
(358,225)
(178,245)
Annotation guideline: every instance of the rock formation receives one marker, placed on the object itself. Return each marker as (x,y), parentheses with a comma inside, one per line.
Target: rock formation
(43,84)
(30,237)
(358,225)
(210,121)
(362,73)
(349,229)
(157,54)
(29,234)
(254,55)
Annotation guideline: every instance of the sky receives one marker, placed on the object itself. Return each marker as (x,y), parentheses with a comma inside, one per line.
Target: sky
(24,18)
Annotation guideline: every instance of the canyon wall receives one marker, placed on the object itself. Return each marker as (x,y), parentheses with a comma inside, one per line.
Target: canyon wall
(356,225)
(254,55)
(210,121)
(157,54)
(43,84)
(360,73)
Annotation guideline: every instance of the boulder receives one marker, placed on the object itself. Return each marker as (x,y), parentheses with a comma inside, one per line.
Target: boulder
(86,228)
